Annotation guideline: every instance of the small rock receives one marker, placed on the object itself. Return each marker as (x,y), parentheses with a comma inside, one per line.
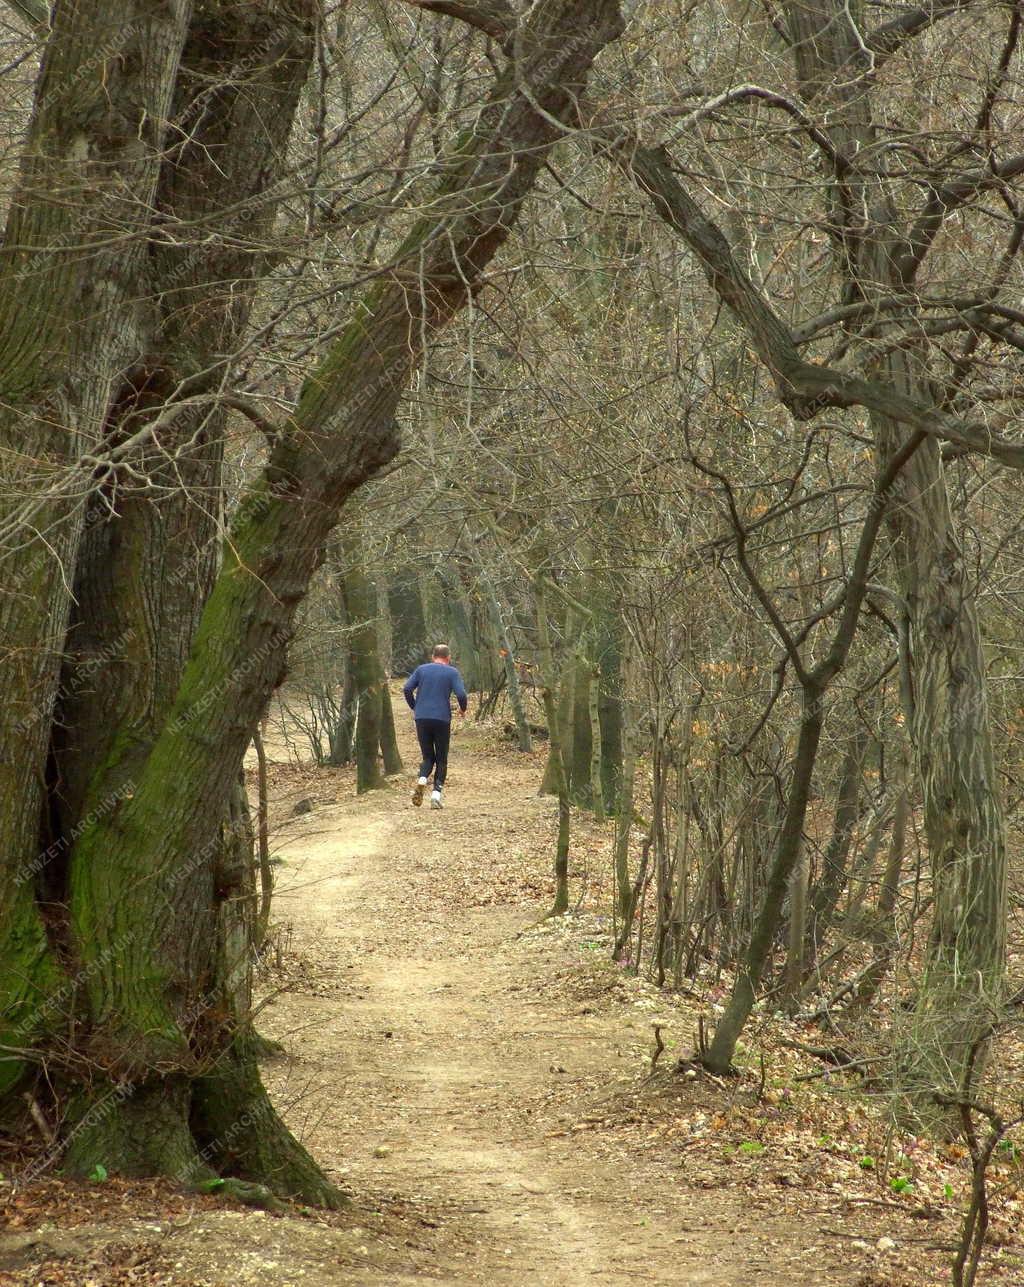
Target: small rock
(885,1244)
(382,1150)
(302,806)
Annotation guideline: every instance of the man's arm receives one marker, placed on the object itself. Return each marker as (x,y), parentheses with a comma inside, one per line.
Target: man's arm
(409,688)
(459,689)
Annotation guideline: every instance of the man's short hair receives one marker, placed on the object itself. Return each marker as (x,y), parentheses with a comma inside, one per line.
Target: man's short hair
(441,650)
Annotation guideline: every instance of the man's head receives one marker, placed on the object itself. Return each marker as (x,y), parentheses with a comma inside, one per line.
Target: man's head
(442,653)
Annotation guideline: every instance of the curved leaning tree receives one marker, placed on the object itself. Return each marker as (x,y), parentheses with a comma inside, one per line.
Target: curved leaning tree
(136,661)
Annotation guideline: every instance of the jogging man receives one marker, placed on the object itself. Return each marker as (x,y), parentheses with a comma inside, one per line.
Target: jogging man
(428,690)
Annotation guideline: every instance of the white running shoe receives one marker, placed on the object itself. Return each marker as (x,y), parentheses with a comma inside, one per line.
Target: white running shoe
(435,799)
(417,794)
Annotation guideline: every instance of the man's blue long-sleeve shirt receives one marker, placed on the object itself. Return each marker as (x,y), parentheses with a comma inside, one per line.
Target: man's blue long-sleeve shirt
(429,688)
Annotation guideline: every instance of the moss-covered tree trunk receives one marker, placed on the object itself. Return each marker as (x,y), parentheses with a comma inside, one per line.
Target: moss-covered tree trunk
(146,570)
(145,566)
(71,270)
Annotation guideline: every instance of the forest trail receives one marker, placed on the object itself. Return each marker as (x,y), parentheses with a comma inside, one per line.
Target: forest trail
(436,1060)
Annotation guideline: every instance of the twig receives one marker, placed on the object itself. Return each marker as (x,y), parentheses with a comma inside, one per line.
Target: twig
(659,1046)
(39,1117)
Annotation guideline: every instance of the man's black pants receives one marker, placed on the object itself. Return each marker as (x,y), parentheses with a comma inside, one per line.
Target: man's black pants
(434,736)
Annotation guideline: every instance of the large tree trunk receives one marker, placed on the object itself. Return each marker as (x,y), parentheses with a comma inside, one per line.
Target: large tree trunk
(144,571)
(70,273)
(342,430)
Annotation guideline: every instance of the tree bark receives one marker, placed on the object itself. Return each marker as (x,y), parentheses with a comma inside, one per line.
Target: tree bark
(147,568)
(70,271)
(580,744)
(624,826)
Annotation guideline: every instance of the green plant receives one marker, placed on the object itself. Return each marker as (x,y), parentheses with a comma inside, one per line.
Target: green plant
(98,1172)
(752,1147)
(900,1184)
(867,1162)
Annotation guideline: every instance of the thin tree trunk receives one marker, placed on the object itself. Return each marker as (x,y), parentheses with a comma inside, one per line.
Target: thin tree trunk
(364,666)
(563,710)
(508,657)
(596,785)
(624,825)
(885,932)
(793,975)
(340,736)
(719,1054)
(557,755)
(579,744)
(833,876)
(611,699)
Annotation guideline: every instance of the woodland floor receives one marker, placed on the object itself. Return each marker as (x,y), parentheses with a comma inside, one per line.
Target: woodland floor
(482,1085)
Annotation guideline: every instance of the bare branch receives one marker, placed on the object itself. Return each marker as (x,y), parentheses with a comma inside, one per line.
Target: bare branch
(944,201)
(490,16)
(741,93)
(34,13)
(890,37)
(805,388)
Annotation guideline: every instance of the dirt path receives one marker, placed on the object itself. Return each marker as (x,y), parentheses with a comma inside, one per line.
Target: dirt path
(438,1060)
